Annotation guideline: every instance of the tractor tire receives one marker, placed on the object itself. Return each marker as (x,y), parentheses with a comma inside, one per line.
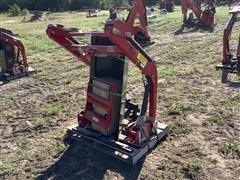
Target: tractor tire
(224,78)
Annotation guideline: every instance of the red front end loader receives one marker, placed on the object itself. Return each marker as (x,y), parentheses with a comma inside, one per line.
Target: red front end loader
(137,18)
(110,122)
(13,60)
(204,17)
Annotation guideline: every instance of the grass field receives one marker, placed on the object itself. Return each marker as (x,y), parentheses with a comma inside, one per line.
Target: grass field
(204,142)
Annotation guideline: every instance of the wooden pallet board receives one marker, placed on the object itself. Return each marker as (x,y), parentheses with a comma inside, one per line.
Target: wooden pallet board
(120,150)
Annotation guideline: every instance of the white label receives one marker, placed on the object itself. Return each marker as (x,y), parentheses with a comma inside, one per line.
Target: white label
(95,119)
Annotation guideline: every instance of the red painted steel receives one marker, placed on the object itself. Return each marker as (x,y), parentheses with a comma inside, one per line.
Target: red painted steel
(205,17)
(116,33)
(13,41)
(121,34)
(227,55)
(138,12)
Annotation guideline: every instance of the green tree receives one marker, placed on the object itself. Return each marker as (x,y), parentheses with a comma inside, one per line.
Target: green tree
(58,5)
(105,4)
(52,5)
(14,10)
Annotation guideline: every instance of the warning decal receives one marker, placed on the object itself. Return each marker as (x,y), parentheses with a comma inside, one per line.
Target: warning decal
(142,60)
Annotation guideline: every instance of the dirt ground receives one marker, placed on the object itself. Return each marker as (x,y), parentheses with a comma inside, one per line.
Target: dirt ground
(204,115)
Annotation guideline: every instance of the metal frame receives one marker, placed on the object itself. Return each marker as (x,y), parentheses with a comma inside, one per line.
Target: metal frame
(105,104)
(120,34)
(203,17)
(140,32)
(117,149)
(230,62)
(141,132)
(22,69)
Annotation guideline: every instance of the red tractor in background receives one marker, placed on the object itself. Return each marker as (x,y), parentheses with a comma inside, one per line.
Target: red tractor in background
(109,121)
(230,63)
(137,18)
(198,16)
(13,60)
(140,29)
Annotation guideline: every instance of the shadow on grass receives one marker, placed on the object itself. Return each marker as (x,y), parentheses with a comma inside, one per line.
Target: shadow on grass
(82,162)
(5,80)
(234,84)
(191,28)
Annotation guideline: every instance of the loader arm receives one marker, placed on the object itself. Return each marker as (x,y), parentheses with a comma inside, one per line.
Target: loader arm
(138,12)
(226,38)
(139,58)
(67,38)
(140,27)
(123,44)
(190,4)
(230,61)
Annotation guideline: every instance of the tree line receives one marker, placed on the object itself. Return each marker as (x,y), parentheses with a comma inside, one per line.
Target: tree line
(63,5)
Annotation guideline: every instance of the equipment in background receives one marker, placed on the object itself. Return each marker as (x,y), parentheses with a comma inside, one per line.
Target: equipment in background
(230,63)
(112,14)
(91,13)
(13,61)
(203,18)
(149,11)
(38,16)
(233,3)
(166,5)
(230,3)
(110,122)
(137,18)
